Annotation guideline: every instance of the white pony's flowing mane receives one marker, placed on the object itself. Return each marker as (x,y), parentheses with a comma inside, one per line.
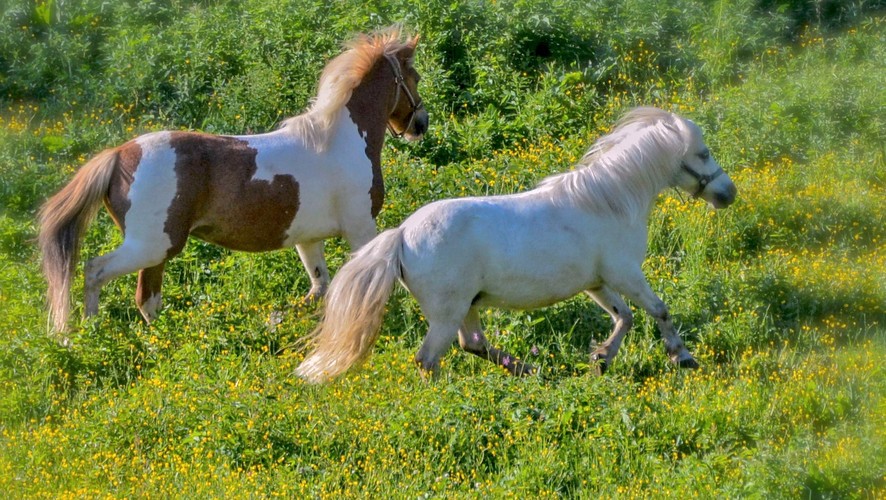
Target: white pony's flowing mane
(337,82)
(625,168)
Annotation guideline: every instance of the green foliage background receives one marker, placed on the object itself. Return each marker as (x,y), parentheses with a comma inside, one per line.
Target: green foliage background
(781,297)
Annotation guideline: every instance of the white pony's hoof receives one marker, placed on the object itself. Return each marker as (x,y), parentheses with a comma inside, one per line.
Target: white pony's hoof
(688,363)
(599,362)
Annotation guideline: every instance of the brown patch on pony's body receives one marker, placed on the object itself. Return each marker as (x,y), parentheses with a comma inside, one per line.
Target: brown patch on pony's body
(117,201)
(218,201)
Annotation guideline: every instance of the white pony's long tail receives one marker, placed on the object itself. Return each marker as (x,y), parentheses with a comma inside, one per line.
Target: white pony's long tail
(355,305)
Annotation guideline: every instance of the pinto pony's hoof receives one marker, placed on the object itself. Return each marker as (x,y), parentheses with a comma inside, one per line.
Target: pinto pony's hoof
(307,303)
(313,297)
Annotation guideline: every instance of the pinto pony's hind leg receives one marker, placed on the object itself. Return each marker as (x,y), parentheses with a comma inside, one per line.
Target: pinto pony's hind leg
(127,258)
(472,340)
(148,295)
(311,255)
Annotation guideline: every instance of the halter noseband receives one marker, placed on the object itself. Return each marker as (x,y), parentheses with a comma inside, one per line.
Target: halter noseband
(702,179)
(400,82)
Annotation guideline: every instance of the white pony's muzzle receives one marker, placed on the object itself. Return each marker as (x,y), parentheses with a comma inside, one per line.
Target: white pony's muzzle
(720,193)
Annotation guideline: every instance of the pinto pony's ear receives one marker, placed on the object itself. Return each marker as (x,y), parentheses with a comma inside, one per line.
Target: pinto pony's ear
(413,42)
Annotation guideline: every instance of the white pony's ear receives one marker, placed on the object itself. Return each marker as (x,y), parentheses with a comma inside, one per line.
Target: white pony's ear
(675,124)
(678,126)
(672,127)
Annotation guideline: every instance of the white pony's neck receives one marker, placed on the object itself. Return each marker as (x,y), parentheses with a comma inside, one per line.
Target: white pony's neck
(624,171)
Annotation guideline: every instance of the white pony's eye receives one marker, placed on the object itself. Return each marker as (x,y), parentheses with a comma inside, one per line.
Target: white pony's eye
(704,155)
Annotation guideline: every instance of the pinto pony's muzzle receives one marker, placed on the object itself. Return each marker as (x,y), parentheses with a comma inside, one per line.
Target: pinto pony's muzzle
(417,124)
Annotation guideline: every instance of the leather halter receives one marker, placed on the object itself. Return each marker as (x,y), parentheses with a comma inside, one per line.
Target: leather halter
(702,179)
(400,82)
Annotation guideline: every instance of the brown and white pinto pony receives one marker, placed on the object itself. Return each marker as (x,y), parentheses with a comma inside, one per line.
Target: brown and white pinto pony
(317,176)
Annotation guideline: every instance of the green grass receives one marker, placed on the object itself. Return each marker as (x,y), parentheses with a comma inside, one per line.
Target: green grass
(780,297)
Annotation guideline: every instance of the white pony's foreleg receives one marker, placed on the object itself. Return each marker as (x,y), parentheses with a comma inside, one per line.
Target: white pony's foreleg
(311,255)
(472,340)
(635,287)
(622,319)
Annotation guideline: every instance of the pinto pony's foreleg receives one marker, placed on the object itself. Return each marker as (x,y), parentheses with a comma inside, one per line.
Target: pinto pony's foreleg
(674,345)
(311,255)
(636,288)
(622,319)
(472,340)
(355,306)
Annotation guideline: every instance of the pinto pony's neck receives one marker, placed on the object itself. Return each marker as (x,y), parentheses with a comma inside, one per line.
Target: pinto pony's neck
(342,80)
(624,171)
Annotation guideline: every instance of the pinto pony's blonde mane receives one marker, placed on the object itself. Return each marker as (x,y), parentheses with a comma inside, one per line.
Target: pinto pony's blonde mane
(337,83)
(623,168)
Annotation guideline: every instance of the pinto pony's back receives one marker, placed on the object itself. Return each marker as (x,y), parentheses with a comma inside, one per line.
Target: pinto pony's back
(63,219)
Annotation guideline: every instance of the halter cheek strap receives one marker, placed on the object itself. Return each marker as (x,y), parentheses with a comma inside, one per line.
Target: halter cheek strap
(702,179)
(400,83)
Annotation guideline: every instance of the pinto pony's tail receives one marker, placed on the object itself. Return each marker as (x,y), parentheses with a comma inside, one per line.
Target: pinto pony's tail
(355,306)
(63,219)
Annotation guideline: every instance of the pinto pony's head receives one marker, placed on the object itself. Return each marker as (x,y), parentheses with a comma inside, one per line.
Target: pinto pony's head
(381,60)
(408,117)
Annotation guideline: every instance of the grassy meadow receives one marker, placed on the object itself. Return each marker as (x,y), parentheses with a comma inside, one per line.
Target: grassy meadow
(781,297)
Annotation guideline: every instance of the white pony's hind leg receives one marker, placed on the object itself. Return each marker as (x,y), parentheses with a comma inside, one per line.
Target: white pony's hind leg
(636,288)
(440,336)
(472,340)
(127,258)
(622,319)
(312,257)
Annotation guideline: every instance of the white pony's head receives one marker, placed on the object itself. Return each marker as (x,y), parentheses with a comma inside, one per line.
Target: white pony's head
(648,150)
(698,173)
(674,149)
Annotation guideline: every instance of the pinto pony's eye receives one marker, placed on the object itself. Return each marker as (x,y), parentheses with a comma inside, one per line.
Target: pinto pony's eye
(409,70)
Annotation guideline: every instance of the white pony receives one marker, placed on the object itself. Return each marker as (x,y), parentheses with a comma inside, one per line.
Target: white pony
(584,230)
